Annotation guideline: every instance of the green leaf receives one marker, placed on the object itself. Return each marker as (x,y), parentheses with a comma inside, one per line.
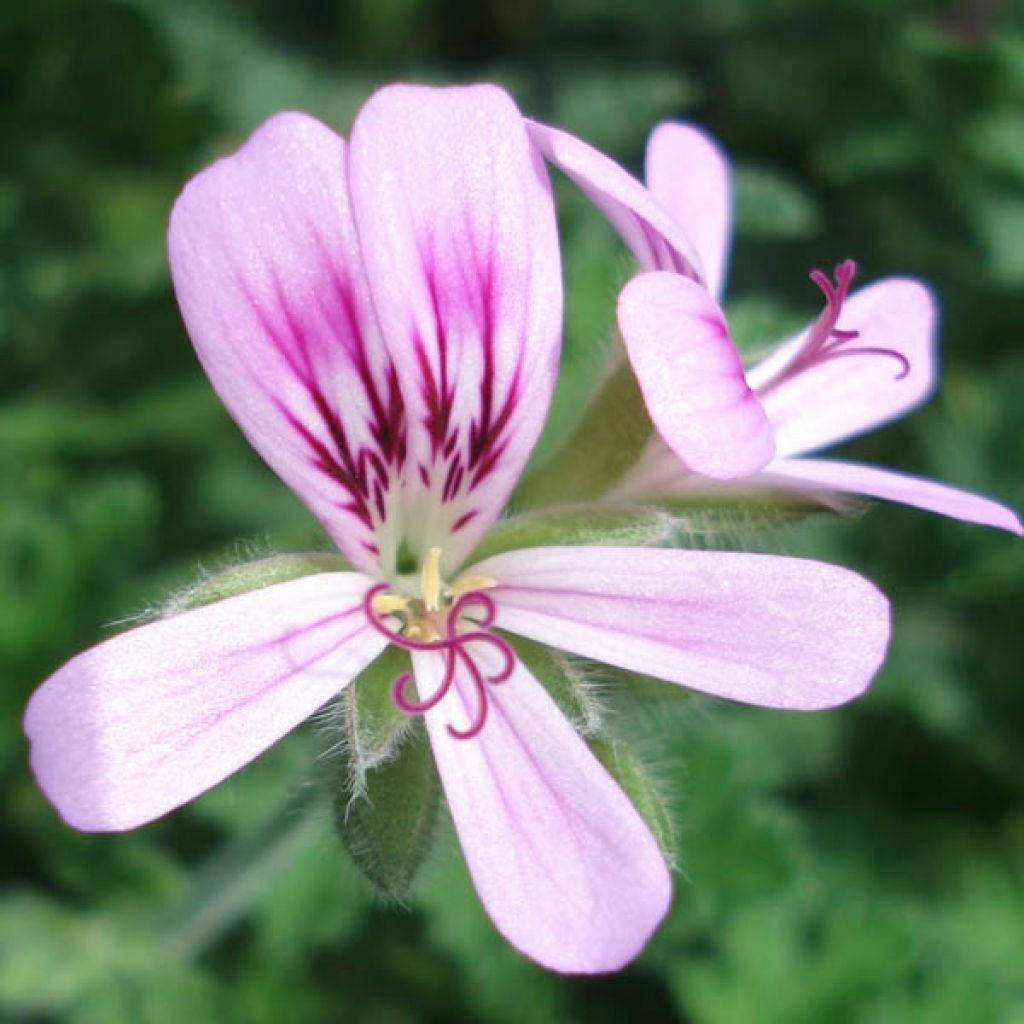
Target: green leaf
(770,205)
(388,825)
(242,873)
(642,788)
(264,572)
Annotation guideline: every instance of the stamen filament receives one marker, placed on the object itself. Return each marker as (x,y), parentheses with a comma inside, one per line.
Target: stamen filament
(465,584)
(430,580)
(386,604)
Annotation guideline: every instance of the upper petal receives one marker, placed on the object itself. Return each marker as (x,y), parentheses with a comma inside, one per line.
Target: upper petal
(850,394)
(563,863)
(779,632)
(147,720)
(458,231)
(657,241)
(689,175)
(267,272)
(832,475)
(691,376)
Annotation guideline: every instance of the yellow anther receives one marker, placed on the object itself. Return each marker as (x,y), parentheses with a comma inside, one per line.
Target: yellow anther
(466,584)
(422,630)
(430,580)
(388,604)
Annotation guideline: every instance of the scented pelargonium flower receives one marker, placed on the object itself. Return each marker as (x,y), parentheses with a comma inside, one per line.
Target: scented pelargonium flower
(867,359)
(382,318)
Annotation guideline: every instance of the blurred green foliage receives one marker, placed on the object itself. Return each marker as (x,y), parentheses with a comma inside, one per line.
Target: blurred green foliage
(861,865)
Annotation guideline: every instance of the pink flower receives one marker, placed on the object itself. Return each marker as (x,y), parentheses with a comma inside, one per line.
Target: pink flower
(869,357)
(382,319)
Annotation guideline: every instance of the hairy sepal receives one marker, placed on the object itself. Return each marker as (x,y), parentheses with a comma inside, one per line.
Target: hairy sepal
(366,727)
(255,575)
(710,515)
(387,822)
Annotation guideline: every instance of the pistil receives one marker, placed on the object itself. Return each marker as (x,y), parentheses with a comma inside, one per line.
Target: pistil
(429,624)
(825,340)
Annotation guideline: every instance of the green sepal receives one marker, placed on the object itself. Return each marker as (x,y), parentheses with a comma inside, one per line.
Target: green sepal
(730,512)
(367,725)
(383,783)
(630,525)
(606,443)
(684,520)
(563,677)
(388,822)
(643,790)
(264,572)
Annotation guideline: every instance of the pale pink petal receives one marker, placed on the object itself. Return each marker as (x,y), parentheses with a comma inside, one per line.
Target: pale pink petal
(856,392)
(829,475)
(689,174)
(457,225)
(564,865)
(691,376)
(267,272)
(656,240)
(142,723)
(779,632)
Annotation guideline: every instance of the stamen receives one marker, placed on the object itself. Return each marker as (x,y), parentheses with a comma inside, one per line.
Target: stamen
(386,604)
(430,580)
(466,584)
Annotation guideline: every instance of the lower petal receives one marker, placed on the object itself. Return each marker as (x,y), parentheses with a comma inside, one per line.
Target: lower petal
(852,477)
(778,632)
(147,720)
(563,863)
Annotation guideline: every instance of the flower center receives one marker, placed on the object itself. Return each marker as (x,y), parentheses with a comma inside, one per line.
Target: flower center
(452,620)
(825,340)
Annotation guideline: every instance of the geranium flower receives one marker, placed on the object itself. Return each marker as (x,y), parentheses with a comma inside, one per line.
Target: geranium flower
(383,319)
(867,359)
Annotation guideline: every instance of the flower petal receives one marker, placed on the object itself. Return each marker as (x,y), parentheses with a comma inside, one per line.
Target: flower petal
(848,395)
(563,863)
(147,720)
(644,224)
(689,175)
(852,477)
(457,224)
(691,376)
(779,632)
(267,272)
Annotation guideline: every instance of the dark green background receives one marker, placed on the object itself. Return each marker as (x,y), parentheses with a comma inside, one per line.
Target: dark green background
(861,865)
